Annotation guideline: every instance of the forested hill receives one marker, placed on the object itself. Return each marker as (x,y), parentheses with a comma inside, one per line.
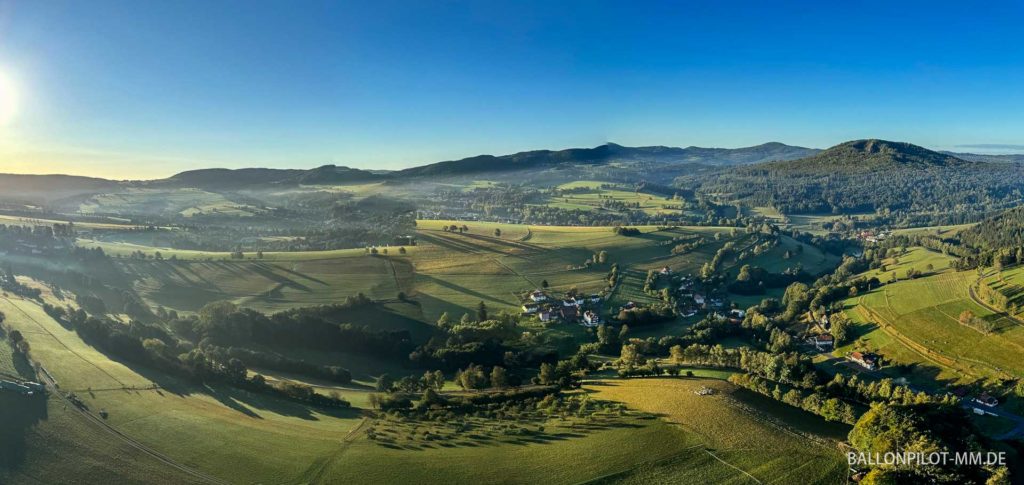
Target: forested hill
(862,156)
(1000,232)
(538,159)
(875,175)
(610,153)
(50,187)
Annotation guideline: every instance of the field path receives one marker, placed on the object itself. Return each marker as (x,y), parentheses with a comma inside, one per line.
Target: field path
(730,465)
(102,425)
(51,386)
(316,471)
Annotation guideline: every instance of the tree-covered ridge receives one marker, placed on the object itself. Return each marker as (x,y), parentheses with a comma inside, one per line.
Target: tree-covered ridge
(873,176)
(1003,231)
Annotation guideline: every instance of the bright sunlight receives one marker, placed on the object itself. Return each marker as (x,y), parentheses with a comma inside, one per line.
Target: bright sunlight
(8,99)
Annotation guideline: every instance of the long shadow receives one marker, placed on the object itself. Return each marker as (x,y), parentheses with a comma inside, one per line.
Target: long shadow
(302,275)
(18,416)
(529,248)
(463,289)
(278,278)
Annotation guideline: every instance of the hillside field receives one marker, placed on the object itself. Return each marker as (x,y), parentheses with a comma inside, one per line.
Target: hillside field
(914,323)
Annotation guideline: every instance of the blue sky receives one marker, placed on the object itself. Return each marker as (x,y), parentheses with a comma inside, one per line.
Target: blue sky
(132,89)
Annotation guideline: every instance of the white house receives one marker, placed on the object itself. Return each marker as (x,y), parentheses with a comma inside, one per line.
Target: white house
(538,295)
(591,319)
(530,307)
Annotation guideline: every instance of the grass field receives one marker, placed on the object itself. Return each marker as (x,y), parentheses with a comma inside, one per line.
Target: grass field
(919,259)
(915,323)
(229,433)
(10,220)
(236,435)
(444,272)
(595,195)
(736,436)
(1009,282)
(184,201)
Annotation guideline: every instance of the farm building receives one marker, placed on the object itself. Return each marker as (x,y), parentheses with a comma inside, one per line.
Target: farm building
(823,342)
(538,295)
(591,319)
(530,308)
(986,400)
(864,359)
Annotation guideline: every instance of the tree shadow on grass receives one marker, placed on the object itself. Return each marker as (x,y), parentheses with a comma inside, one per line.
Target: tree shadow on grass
(18,415)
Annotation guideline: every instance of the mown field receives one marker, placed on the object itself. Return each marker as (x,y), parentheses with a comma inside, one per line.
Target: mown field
(915,323)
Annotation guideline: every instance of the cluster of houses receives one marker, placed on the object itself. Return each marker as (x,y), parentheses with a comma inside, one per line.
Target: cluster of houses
(23,388)
(872,237)
(571,309)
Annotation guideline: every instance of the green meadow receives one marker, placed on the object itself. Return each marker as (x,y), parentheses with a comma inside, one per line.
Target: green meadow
(915,323)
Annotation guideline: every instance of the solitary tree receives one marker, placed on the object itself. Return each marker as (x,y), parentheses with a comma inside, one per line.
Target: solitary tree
(499,377)
(481,311)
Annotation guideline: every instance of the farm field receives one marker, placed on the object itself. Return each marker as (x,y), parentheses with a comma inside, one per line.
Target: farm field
(739,437)
(445,272)
(1010,283)
(234,434)
(226,432)
(917,258)
(12,220)
(915,323)
(184,201)
(595,195)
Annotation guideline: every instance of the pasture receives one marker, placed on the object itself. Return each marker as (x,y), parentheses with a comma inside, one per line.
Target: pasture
(734,435)
(224,431)
(184,201)
(589,196)
(915,323)
(443,272)
(1009,282)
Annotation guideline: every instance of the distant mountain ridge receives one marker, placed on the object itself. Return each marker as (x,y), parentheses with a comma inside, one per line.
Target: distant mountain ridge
(854,156)
(869,155)
(611,152)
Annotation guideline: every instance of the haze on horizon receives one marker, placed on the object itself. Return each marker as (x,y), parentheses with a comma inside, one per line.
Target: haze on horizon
(128,91)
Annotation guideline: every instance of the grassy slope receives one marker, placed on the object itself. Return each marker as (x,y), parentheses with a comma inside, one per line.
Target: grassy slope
(727,426)
(232,434)
(1009,282)
(41,441)
(237,435)
(922,329)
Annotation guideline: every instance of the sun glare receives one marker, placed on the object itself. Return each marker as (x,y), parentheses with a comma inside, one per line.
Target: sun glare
(8,99)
